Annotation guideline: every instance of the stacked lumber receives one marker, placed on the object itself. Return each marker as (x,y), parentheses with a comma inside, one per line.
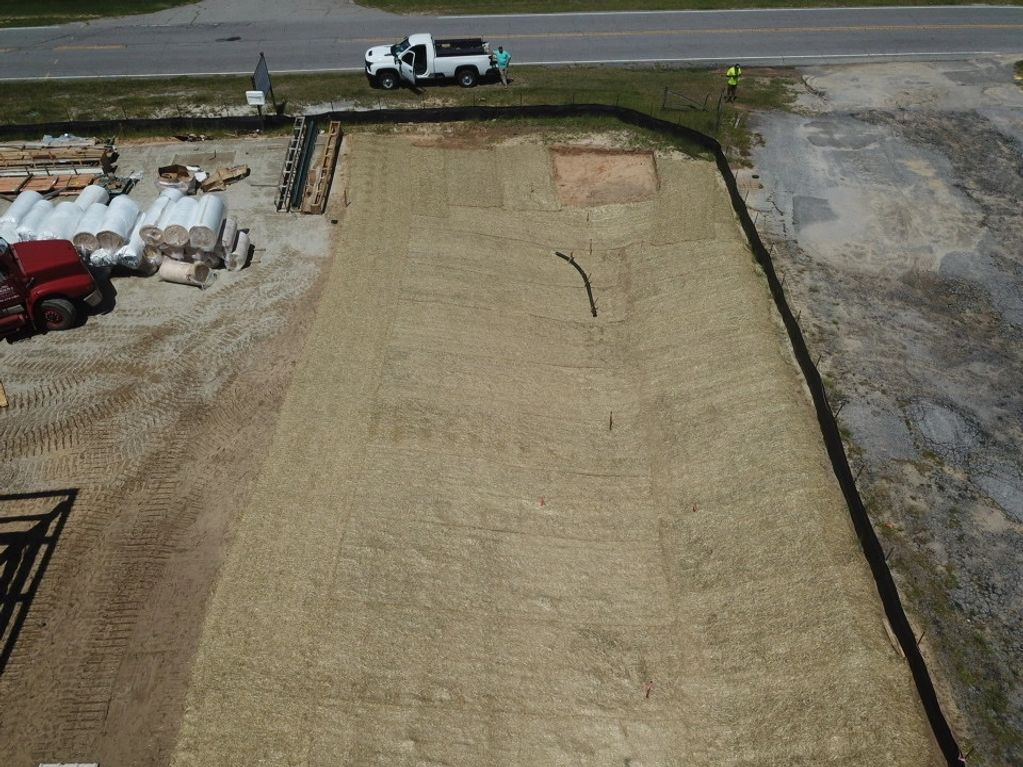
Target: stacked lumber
(37,159)
(53,168)
(59,185)
(317,188)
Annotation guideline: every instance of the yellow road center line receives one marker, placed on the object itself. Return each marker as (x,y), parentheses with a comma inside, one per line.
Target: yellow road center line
(102,47)
(737,31)
(766,30)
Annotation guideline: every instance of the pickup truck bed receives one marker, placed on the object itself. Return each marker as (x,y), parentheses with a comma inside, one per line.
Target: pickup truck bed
(461,46)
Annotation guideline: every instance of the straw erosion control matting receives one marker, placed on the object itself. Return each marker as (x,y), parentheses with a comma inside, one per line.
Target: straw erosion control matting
(493,529)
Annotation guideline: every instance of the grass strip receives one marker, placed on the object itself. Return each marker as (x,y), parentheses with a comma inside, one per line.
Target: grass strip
(664,92)
(46,12)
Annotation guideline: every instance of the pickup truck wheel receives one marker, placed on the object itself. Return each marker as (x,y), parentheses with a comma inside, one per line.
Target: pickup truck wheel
(388,80)
(58,314)
(467,77)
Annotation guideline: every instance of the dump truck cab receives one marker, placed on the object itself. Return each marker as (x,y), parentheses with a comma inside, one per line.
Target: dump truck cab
(43,285)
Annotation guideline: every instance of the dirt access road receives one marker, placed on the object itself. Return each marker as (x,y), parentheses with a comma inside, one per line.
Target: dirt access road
(894,203)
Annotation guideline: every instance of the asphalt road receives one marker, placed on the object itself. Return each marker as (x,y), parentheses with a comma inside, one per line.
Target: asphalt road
(317,36)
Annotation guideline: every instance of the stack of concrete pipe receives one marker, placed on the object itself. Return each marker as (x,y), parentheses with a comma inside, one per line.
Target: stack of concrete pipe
(195,233)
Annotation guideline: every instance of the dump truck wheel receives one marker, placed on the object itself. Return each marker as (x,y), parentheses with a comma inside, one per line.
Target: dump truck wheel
(58,314)
(467,77)
(388,80)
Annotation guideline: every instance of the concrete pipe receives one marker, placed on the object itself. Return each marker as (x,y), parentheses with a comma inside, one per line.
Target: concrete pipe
(180,220)
(91,195)
(228,235)
(29,225)
(235,260)
(22,204)
(186,274)
(84,236)
(122,213)
(157,214)
(204,234)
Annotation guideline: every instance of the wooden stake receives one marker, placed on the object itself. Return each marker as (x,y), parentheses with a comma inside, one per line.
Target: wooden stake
(3,396)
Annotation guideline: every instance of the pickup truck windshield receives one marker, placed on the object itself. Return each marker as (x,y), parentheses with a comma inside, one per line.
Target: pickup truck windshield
(400,48)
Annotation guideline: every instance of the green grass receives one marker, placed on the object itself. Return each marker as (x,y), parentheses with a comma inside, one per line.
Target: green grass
(22,13)
(553,6)
(638,88)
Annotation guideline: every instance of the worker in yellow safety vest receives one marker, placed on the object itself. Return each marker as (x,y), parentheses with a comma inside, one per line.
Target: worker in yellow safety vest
(733,74)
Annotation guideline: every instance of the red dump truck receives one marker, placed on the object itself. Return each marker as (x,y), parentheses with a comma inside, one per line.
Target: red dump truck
(43,285)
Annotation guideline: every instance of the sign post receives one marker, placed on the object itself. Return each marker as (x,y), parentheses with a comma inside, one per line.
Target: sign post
(256,99)
(261,82)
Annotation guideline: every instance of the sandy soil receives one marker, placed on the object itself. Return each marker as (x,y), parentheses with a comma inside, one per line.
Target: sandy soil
(492,529)
(894,204)
(158,413)
(585,176)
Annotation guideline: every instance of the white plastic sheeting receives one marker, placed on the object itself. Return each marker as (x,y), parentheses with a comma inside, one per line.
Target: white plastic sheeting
(22,204)
(152,226)
(130,255)
(180,220)
(122,212)
(91,195)
(61,222)
(28,225)
(103,257)
(89,225)
(205,231)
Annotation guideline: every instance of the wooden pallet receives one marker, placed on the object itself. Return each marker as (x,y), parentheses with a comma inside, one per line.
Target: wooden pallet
(60,185)
(317,189)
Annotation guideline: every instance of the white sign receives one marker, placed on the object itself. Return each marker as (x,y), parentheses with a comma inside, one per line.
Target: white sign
(255,98)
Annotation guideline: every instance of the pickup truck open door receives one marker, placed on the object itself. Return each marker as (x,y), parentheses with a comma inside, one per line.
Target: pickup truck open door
(407,66)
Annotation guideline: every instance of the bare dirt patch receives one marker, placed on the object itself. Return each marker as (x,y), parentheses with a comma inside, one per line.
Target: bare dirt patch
(586,177)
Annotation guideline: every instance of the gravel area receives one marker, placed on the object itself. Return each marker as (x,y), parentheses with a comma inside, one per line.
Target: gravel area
(893,201)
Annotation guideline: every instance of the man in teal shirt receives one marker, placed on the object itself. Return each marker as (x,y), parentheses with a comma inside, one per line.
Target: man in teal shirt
(501,58)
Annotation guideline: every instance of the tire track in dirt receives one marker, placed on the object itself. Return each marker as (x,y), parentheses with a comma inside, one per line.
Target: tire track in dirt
(145,411)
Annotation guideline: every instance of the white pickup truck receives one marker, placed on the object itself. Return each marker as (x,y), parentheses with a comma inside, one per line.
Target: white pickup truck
(420,57)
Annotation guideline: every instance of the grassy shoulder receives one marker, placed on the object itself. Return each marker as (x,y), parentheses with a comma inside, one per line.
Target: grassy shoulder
(686,96)
(14,13)
(562,6)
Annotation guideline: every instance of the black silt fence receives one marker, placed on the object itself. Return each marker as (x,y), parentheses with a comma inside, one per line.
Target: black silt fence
(869,542)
